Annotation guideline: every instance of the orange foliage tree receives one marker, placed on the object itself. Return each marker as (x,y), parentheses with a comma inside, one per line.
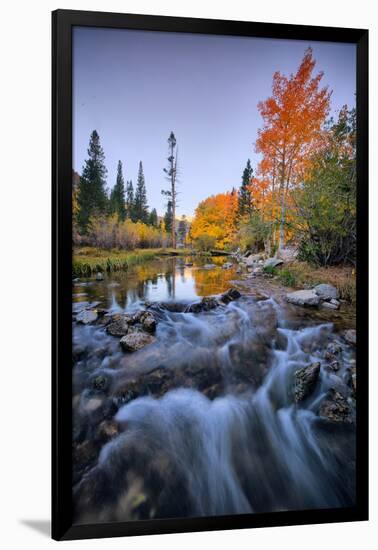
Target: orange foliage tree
(214,223)
(293,120)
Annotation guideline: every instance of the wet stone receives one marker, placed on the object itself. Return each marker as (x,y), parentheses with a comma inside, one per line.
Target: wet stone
(118,327)
(305,381)
(136,341)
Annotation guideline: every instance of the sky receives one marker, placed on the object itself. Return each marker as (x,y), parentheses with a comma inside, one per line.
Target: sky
(135,87)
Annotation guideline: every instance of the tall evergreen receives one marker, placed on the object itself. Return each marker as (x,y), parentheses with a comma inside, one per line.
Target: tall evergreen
(244,195)
(92,199)
(140,202)
(117,196)
(168,217)
(130,200)
(182,229)
(153,218)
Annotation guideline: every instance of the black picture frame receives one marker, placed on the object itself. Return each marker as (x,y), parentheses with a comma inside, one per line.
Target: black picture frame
(62,23)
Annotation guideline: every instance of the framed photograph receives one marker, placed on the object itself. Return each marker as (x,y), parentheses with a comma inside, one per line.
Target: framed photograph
(210,292)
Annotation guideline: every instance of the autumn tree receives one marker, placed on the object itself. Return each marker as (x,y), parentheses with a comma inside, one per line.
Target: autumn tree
(171,173)
(293,118)
(117,196)
(92,199)
(215,221)
(140,200)
(245,195)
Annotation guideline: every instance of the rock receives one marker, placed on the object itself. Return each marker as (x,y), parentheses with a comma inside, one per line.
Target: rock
(328,305)
(239,270)
(288,254)
(206,304)
(303,298)
(119,327)
(252,259)
(93,404)
(137,317)
(107,430)
(209,266)
(136,341)
(100,383)
(229,296)
(335,407)
(86,316)
(335,302)
(334,366)
(227,265)
(334,348)
(350,336)
(273,262)
(148,322)
(188,264)
(326,292)
(84,452)
(305,380)
(257,271)
(99,276)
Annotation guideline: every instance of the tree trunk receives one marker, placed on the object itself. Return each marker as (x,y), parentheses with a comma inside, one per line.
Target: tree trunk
(281,243)
(173,191)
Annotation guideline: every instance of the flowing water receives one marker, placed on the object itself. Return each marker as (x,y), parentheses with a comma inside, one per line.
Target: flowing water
(203,421)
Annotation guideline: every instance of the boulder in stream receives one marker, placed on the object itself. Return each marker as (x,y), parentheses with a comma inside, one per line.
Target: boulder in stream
(148,322)
(99,276)
(335,408)
(118,327)
(206,304)
(135,341)
(303,298)
(350,336)
(230,295)
(305,381)
(86,316)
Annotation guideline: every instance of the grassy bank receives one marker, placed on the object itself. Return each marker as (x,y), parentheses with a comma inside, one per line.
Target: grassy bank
(302,275)
(88,260)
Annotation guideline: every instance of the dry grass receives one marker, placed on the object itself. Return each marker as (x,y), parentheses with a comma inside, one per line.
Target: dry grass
(303,275)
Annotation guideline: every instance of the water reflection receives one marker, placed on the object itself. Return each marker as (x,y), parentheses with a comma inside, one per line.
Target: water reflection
(164,279)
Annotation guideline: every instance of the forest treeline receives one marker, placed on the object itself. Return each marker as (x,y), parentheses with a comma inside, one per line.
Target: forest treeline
(122,219)
(301,194)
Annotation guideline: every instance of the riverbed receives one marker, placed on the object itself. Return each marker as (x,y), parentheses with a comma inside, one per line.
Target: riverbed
(205,419)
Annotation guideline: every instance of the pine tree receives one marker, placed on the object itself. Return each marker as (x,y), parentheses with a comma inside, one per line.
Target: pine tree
(182,229)
(117,196)
(140,203)
(92,199)
(153,218)
(130,204)
(168,218)
(244,195)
